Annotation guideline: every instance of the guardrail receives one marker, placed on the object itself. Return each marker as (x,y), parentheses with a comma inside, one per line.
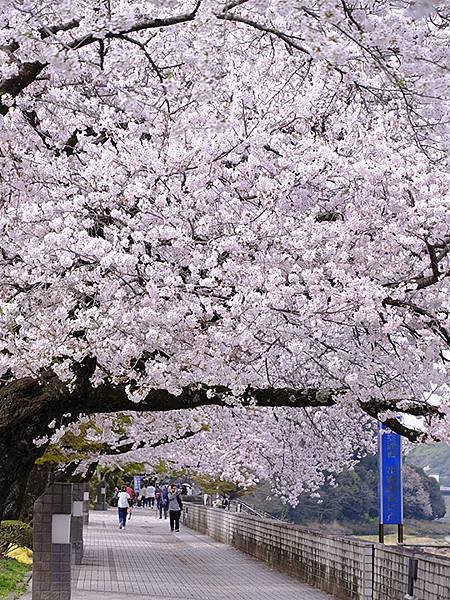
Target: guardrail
(242,507)
(197,499)
(236,505)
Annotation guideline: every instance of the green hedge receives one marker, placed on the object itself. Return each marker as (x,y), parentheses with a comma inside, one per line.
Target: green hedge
(17,533)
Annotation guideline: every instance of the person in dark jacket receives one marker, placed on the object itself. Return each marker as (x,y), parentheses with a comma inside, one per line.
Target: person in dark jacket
(175,507)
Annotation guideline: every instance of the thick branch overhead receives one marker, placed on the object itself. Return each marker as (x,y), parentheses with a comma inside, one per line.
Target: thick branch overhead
(27,398)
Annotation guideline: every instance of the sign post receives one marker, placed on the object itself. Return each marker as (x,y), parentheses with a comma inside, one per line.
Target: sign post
(390,484)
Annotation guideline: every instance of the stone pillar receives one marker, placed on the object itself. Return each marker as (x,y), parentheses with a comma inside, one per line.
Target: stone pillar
(51,543)
(86,503)
(101,496)
(76,531)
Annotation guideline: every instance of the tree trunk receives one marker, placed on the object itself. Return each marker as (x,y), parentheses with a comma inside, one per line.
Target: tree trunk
(18,455)
(27,408)
(39,478)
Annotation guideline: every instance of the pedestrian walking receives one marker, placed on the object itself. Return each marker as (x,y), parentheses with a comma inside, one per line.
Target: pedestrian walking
(131,493)
(150,495)
(186,489)
(162,503)
(157,497)
(175,507)
(143,497)
(114,498)
(123,503)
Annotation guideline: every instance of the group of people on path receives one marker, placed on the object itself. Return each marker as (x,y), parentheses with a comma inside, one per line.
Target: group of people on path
(147,496)
(167,499)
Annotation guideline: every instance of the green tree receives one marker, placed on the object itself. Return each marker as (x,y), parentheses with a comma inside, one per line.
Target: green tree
(354,498)
(432,457)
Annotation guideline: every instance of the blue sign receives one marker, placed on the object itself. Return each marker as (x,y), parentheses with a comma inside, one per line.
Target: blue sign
(137,483)
(390,484)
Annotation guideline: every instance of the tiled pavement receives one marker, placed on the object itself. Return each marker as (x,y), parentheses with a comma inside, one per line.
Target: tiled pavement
(147,561)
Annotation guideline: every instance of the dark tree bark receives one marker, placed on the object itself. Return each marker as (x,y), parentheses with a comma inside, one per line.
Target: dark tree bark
(26,410)
(18,455)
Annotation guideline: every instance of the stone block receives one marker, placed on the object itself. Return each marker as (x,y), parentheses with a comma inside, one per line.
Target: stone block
(51,544)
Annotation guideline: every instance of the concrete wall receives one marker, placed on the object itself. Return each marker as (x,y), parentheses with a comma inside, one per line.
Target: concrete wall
(339,566)
(344,567)
(76,527)
(391,574)
(51,543)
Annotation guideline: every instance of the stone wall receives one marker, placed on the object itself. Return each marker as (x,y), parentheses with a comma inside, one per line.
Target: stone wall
(344,567)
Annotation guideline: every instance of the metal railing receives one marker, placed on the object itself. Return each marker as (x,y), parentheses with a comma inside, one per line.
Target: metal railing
(233,506)
(197,499)
(242,507)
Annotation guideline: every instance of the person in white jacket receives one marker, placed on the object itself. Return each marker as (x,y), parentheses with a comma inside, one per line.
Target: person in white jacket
(123,502)
(150,495)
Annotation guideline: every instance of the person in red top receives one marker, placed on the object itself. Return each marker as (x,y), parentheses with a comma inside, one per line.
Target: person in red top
(130,492)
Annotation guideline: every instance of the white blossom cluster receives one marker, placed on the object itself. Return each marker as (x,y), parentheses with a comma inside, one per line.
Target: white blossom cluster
(294,449)
(253,195)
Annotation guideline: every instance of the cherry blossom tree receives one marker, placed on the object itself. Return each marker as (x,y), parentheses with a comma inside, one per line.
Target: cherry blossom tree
(294,449)
(209,203)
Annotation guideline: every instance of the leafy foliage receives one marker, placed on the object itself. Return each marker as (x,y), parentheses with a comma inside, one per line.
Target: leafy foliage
(435,457)
(15,533)
(116,476)
(216,485)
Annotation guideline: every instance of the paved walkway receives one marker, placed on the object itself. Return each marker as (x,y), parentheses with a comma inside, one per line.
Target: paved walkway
(147,561)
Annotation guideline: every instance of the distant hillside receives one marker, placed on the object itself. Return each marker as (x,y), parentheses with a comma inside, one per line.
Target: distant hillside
(354,498)
(434,456)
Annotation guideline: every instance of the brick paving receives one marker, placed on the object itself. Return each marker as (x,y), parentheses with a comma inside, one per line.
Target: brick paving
(147,561)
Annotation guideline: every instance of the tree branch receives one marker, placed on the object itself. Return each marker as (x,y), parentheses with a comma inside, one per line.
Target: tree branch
(14,85)
(113,397)
(110,450)
(288,39)
(52,29)
(29,71)
(26,398)
(233,4)
(29,399)
(432,321)
(141,25)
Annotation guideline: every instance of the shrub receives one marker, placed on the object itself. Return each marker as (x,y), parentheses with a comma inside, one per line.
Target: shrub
(17,533)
